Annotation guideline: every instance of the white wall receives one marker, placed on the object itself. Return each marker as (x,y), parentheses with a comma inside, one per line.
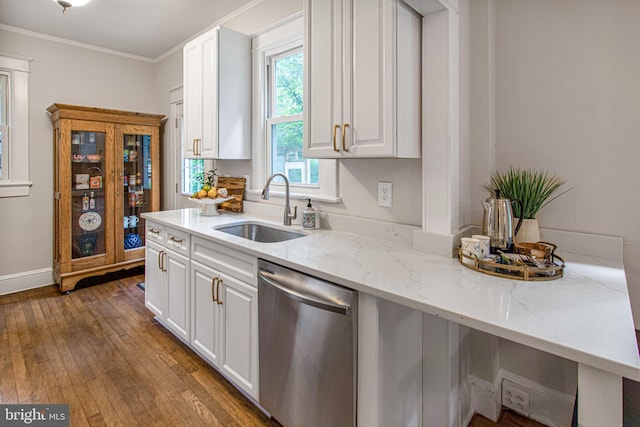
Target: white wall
(64,74)
(567,100)
(554,86)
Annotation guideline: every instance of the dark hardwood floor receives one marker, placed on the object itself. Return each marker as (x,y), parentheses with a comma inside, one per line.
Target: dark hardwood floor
(100,351)
(507,418)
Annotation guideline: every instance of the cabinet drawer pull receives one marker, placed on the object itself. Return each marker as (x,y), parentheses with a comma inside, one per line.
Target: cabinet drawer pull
(335,128)
(175,240)
(153,230)
(344,131)
(218,292)
(213,288)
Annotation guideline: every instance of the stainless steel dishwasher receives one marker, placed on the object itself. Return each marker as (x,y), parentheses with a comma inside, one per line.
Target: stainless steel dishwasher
(308,348)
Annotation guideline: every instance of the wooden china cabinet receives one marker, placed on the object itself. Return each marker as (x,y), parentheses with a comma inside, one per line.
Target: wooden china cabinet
(106,173)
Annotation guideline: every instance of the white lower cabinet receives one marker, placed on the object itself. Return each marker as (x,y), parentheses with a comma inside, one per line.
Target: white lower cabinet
(208,297)
(204,312)
(224,319)
(167,288)
(154,286)
(177,307)
(239,333)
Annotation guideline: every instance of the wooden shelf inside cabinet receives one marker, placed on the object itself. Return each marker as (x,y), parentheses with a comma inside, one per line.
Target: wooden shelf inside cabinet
(91,147)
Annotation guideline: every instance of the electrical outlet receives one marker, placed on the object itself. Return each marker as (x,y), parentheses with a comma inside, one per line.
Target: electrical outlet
(515,397)
(385,194)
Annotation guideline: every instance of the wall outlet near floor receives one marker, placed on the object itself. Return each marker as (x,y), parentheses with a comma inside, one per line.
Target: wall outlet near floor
(385,194)
(515,397)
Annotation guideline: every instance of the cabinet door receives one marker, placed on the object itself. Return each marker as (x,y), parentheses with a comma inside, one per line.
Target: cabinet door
(137,186)
(192,82)
(86,200)
(204,312)
(239,336)
(358,96)
(208,145)
(177,305)
(323,78)
(154,283)
(369,105)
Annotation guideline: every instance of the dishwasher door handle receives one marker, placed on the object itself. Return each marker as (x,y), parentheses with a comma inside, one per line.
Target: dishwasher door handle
(306,299)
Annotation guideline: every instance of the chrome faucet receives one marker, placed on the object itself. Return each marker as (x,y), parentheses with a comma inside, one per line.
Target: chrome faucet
(287,208)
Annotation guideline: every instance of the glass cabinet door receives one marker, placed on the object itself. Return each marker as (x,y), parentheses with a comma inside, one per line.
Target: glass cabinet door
(137,194)
(87,194)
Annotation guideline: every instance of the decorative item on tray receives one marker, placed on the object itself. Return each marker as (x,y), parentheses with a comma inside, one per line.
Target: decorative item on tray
(532,190)
(532,261)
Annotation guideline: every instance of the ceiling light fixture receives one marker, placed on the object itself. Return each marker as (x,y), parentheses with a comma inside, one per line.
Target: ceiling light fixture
(71,3)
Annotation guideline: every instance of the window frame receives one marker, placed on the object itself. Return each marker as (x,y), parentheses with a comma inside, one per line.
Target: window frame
(276,41)
(15,151)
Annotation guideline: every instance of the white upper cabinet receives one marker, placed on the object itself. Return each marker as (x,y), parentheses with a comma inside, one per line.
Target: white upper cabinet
(362,79)
(217,95)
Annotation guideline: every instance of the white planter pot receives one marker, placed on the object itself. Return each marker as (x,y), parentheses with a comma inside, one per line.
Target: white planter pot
(529,231)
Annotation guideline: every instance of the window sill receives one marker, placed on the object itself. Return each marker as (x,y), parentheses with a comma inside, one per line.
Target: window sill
(14,189)
(300,196)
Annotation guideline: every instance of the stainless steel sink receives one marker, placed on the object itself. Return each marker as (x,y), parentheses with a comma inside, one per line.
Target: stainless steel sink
(259,232)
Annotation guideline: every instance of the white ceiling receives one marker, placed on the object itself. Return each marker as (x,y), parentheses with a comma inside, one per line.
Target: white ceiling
(144,28)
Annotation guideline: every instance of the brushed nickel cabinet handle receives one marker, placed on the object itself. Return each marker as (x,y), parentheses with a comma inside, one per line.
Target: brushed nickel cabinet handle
(335,128)
(344,131)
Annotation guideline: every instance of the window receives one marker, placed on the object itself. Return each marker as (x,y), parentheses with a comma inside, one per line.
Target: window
(278,144)
(284,122)
(190,172)
(190,169)
(14,126)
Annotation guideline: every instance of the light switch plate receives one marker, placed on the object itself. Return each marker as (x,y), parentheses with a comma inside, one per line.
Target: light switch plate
(385,194)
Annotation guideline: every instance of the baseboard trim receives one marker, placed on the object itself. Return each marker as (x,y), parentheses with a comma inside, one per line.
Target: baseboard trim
(478,396)
(547,406)
(17,282)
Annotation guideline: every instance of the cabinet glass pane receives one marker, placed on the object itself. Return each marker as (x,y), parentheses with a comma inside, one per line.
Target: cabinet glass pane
(137,187)
(87,194)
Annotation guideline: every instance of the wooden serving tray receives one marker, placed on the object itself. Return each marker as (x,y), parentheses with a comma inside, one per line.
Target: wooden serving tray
(513,271)
(235,188)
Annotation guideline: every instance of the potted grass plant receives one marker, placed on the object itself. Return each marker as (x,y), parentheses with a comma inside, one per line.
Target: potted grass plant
(534,189)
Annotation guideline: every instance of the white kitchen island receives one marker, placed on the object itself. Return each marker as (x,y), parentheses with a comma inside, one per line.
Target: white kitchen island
(584,316)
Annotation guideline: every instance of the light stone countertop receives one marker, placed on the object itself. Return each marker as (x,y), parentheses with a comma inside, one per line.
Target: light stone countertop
(584,316)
